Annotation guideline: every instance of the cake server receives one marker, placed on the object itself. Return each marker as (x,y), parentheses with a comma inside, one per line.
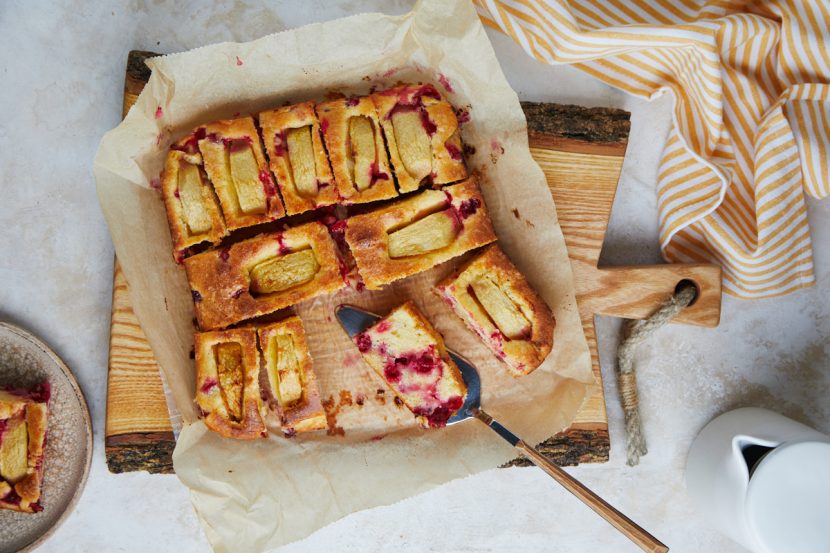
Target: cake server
(355,320)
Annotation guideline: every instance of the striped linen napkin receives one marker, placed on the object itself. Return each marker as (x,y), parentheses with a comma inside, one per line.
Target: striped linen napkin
(750,129)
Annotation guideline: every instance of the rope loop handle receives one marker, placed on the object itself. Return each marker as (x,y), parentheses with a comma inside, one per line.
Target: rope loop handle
(635,333)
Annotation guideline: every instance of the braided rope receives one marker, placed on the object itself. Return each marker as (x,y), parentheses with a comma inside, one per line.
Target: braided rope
(635,333)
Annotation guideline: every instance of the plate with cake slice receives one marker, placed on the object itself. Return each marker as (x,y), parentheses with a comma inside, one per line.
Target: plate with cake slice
(45,440)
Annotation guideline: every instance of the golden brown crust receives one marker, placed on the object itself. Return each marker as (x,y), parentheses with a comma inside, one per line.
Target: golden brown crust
(334,119)
(367,234)
(522,356)
(220,279)
(214,147)
(28,489)
(275,124)
(179,231)
(208,387)
(307,414)
(441,124)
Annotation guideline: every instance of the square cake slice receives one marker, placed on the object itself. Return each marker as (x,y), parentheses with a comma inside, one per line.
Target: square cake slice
(354,141)
(422,135)
(409,355)
(419,232)
(189,199)
(263,274)
(227,383)
(236,164)
(297,157)
(498,304)
(22,439)
(291,379)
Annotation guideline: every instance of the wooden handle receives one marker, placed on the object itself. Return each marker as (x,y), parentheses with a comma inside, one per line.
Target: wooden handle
(636,292)
(643,539)
(632,531)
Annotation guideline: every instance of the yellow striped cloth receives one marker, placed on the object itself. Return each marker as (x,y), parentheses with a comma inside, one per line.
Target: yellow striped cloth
(750,131)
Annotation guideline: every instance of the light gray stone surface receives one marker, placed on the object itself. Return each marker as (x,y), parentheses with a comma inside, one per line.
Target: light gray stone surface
(62,74)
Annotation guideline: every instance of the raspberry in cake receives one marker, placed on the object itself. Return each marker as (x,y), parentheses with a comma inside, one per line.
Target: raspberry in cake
(291,380)
(419,232)
(227,383)
(422,135)
(297,157)
(409,355)
(498,304)
(23,425)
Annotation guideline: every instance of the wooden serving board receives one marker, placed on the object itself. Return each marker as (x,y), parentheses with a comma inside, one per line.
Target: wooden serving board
(581,152)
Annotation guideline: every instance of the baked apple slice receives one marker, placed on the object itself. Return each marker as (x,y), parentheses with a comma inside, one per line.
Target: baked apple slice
(284,272)
(433,232)
(413,144)
(245,175)
(364,155)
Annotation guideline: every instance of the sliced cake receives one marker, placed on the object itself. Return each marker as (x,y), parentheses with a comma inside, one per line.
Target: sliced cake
(354,140)
(409,355)
(291,379)
(417,233)
(262,274)
(227,383)
(422,135)
(496,301)
(235,162)
(297,157)
(192,207)
(22,439)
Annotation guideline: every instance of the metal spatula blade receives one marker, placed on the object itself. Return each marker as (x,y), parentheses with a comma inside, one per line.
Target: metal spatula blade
(355,320)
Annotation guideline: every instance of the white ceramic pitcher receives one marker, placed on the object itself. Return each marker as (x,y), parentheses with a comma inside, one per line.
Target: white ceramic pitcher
(763,480)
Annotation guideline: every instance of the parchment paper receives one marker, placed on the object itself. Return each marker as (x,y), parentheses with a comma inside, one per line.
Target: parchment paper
(253,496)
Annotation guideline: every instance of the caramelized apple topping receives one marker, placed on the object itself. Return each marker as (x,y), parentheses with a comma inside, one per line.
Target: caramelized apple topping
(231,376)
(14,451)
(285,375)
(505,314)
(362,138)
(245,175)
(433,232)
(284,272)
(301,158)
(190,185)
(413,143)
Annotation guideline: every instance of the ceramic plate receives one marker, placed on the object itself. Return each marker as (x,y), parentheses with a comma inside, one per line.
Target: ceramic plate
(24,362)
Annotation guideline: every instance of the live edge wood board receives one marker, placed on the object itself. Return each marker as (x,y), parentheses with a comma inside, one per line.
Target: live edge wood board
(581,152)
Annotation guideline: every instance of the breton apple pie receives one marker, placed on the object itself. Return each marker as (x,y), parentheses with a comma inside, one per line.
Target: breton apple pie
(422,135)
(496,301)
(409,354)
(189,199)
(291,379)
(262,274)
(354,141)
(236,165)
(227,383)
(298,158)
(22,439)
(417,233)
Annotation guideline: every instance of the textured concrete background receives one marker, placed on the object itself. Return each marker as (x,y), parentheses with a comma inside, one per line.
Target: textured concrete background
(62,75)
